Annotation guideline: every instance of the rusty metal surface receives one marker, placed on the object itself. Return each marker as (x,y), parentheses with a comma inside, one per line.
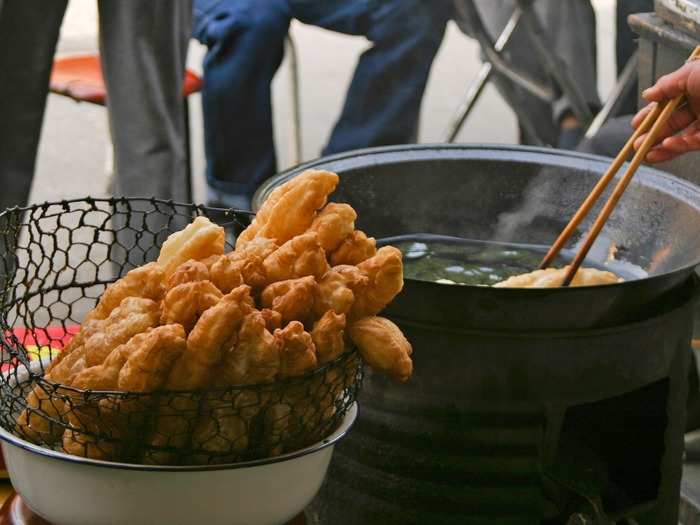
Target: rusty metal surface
(653,27)
(682,14)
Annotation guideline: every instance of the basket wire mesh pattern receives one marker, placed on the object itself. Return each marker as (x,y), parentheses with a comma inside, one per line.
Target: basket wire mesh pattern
(57,259)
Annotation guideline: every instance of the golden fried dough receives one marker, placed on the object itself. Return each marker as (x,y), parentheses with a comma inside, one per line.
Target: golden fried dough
(356,247)
(297,353)
(38,427)
(232,270)
(140,365)
(293,299)
(215,332)
(383,346)
(554,277)
(185,303)
(333,224)
(221,432)
(328,336)
(385,273)
(188,272)
(298,257)
(226,273)
(200,239)
(145,281)
(259,246)
(290,208)
(335,290)
(256,356)
(149,363)
(132,316)
(273,320)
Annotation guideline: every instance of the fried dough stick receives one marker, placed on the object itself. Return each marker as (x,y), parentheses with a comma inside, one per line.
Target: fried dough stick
(383,346)
(145,281)
(293,299)
(215,332)
(333,224)
(103,427)
(385,274)
(356,247)
(290,208)
(99,337)
(298,257)
(185,303)
(223,430)
(199,240)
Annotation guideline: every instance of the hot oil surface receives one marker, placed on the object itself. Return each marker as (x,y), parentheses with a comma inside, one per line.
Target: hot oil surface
(452,260)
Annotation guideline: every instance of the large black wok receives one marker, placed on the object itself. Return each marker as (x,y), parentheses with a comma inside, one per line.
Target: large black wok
(522,195)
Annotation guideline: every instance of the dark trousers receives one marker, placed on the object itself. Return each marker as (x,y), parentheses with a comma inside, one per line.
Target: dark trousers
(245,40)
(143,45)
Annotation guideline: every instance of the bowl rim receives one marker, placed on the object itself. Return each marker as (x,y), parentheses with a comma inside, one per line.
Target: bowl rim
(345,426)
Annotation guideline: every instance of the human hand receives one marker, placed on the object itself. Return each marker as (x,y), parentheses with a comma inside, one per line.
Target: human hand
(681,133)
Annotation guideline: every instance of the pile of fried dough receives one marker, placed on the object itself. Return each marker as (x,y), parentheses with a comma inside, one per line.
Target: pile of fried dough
(301,284)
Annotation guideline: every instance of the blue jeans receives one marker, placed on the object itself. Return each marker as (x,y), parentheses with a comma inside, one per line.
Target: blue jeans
(245,40)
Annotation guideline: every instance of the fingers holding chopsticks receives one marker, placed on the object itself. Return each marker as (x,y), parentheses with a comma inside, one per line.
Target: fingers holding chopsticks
(683,81)
(670,138)
(681,134)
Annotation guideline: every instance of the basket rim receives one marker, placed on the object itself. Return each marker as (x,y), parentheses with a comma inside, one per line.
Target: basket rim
(116,200)
(348,422)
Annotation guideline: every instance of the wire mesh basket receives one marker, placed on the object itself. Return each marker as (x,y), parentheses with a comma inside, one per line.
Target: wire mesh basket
(57,259)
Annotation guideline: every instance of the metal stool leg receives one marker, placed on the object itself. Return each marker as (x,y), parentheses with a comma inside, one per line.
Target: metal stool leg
(503,73)
(188,155)
(619,92)
(479,83)
(296,100)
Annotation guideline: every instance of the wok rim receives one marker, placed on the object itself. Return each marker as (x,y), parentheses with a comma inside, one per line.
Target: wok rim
(652,177)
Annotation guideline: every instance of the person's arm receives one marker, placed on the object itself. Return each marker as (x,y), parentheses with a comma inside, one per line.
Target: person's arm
(682,131)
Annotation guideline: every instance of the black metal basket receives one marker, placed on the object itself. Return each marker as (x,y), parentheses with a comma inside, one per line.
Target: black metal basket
(57,259)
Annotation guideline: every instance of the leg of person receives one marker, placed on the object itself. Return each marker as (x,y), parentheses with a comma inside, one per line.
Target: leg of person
(570,30)
(28,34)
(143,46)
(536,126)
(245,46)
(383,102)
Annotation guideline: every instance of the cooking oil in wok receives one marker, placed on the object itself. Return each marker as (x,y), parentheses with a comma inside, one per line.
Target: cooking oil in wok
(451,260)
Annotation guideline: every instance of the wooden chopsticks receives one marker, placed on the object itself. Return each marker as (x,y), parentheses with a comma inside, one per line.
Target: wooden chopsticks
(652,123)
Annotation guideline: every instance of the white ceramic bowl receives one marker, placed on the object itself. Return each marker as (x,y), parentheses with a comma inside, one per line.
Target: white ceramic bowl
(70,490)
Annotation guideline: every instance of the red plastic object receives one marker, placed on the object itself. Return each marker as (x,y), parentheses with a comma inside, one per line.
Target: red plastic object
(80,78)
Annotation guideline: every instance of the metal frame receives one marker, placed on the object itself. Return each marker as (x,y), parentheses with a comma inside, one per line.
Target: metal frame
(624,83)
(496,67)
